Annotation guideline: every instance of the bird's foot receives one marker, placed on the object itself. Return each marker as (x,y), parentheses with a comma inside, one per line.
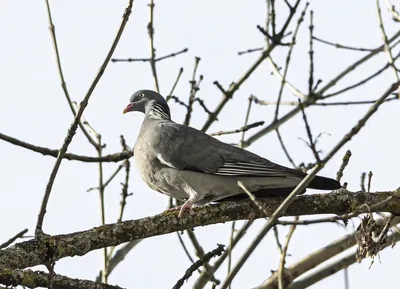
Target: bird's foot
(183,208)
(187,205)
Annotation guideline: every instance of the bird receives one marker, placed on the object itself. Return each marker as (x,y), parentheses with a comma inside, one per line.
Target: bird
(196,168)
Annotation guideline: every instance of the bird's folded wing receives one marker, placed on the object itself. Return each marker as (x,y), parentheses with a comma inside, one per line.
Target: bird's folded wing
(186,148)
(248,169)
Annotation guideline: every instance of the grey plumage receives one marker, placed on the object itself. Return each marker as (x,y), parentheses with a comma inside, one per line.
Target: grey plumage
(187,164)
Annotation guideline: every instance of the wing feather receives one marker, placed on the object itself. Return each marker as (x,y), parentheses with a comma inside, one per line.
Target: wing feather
(186,148)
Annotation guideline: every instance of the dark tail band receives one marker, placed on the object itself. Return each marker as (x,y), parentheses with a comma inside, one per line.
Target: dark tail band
(323,183)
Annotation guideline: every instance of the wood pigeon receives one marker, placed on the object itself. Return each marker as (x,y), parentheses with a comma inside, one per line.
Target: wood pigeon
(189,165)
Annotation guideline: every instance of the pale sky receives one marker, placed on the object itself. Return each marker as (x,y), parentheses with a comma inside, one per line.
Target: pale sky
(35,110)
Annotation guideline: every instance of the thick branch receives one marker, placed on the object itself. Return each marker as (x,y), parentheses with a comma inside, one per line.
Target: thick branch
(35,279)
(34,252)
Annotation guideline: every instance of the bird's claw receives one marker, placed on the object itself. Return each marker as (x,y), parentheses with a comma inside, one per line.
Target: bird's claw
(183,208)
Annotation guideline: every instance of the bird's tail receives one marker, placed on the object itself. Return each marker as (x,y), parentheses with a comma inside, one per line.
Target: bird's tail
(323,183)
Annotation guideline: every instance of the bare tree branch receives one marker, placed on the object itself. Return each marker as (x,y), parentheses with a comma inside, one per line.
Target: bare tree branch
(174,54)
(54,153)
(277,123)
(242,129)
(337,45)
(74,125)
(335,267)
(11,240)
(35,279)
(387,49)
(61,74)
(303,184)
(203,260)
(282,262)
(316,258)
(34,252)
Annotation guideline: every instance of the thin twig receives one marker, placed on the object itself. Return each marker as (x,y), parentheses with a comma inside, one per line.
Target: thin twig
(177,100)
(337,45)
(172,54)
(267,22)
(333,103)
(312,142)
(149,59)
(230,246)
(351,67)
(284,148)
(252,197)
(361,82)
(362,184)
(369,181)
(150,31)
(205,259)
(391,8)
(385,228)
(54,153)
(101,189)
(251,50)
(194,87)
(273,17)
(61,74)
(345,162)
(387,49)
(175,84)
(311,54)
(278,243)
(11,240)
(125,184)
(288,57)
(112,176)
(246,121)
(242,129)
(115,173)
(203,105)
(178,234)
(283,256)
(276,72)
(74,125)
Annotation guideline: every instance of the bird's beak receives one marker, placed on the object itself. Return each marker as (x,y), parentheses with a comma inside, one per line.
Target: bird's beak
(127,108)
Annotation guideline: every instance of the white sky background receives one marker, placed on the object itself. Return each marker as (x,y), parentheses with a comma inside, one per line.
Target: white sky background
(33,108)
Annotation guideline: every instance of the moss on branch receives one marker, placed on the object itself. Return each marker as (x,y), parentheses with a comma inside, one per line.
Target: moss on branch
(39,251)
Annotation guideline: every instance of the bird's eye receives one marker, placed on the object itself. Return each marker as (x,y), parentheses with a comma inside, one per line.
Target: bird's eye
(141,95)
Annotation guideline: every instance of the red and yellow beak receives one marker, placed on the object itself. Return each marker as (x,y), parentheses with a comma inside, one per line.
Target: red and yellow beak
(127,108)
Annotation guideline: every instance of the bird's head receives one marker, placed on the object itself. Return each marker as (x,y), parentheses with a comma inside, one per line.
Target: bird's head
(144,100)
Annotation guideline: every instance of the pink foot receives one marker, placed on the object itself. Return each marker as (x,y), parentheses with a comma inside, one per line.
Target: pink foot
(182,208)
(174,208)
